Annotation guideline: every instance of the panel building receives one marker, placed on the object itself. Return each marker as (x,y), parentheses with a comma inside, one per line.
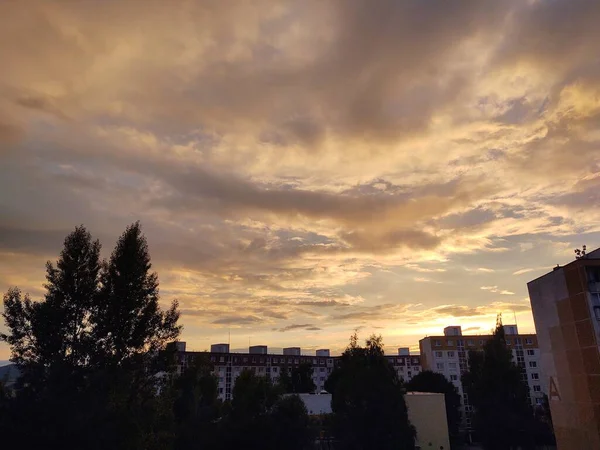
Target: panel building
(228,366)
(448,355)
(566,310)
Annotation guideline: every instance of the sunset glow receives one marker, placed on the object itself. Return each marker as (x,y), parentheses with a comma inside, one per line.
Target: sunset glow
(302,169)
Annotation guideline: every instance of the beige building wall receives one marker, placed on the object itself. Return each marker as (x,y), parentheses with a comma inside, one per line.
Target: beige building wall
(427,413)
(567,330)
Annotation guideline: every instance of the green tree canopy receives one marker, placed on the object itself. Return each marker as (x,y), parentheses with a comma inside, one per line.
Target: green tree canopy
(428,381)
(368,401)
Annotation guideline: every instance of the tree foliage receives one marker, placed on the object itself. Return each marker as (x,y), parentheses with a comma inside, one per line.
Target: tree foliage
(503,416)
(428,381)
(299,381)
(260,417)
(368,401)
(86,350)
(195,405)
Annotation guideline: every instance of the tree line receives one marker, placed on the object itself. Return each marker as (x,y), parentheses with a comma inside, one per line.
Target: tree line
(98,371)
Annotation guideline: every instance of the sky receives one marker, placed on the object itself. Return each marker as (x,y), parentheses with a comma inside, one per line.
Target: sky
(306,168)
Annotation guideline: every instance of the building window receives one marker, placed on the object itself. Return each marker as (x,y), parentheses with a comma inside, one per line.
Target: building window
(538,401)
(416,369)
(330,361)
(537,388)
(437,343)
(530,352)
(254,360)
(450,354)
(453,377)
(415,360)
(451,365)
(401,361)
(529,341)
(220,390)
(274,369)
(508,342)
(470,343)
(450,343)
(322,378)
(439,354)
(296,361)
(245,359)
(480,341)
(535,376)
(532,364)
(321,369)
(440,366)
(261,369)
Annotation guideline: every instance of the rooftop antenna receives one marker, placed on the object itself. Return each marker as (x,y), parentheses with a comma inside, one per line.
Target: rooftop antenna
(515,316)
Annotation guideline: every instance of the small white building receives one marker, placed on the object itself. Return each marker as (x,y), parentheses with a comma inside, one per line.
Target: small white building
(427,413)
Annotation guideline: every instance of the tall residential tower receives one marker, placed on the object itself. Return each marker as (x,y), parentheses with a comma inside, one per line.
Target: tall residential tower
(566,310)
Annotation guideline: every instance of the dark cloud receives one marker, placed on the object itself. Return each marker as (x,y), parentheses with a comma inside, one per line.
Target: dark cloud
(322,303)
(41,104)
(295,326)
(459,311)
(237,320)
(472,329)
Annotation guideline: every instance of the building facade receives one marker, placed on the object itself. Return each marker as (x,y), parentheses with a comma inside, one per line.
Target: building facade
(228,366)
(448,355)
(566,310)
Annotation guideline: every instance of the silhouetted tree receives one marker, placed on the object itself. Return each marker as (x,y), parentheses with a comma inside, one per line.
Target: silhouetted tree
(368,401)
(128,322)
(88,351)
(290,427)
(300,381)
(52,337)
(503,416)
(261,418)
(196,405)
(544,431)
(428,381)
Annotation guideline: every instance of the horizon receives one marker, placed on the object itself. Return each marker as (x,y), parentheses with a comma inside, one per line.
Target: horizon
(302,170)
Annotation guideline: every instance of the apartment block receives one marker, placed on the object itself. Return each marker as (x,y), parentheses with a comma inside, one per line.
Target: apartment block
(566,309)
(228,366)
(448,355)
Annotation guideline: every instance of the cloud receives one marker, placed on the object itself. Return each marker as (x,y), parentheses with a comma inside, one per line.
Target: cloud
(237,320)
(522,271)
(472,329)
(290,159)
(496,290)
(295,326)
